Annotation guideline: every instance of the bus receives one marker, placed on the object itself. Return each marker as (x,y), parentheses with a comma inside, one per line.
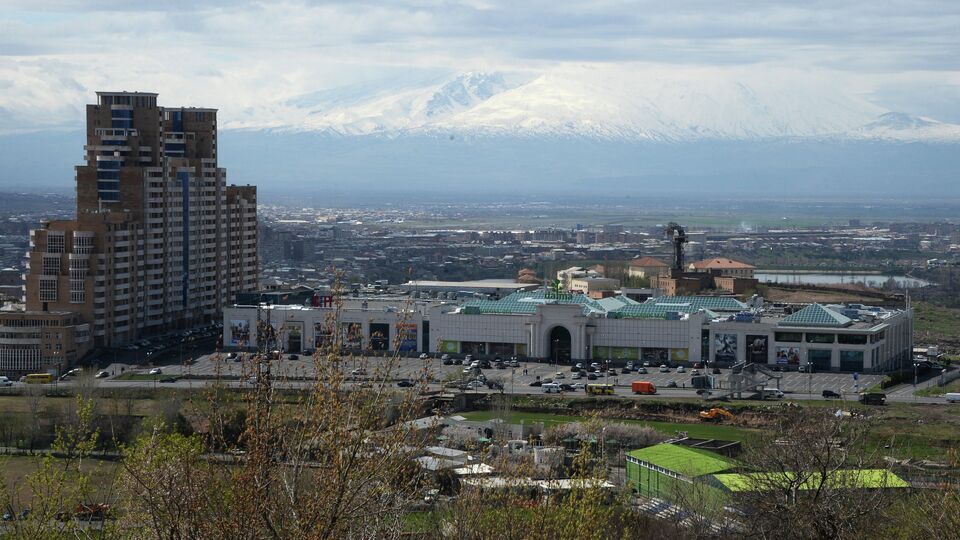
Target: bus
(38,378)
(599,389)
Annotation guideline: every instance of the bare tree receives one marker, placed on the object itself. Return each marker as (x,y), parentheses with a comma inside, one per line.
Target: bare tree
(812,478)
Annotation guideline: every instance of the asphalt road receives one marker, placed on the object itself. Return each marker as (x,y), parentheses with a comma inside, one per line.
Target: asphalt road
(299,372)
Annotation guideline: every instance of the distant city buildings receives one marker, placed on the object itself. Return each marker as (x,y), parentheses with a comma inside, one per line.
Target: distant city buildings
(160,241)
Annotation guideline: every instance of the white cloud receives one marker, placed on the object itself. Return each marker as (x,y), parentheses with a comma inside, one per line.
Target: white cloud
(247,58)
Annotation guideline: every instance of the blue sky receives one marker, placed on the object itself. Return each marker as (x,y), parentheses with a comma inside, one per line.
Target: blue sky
(243,56)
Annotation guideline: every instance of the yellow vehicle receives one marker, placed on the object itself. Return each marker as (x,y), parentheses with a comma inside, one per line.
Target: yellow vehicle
(715,414)
(599,389)
(38,378)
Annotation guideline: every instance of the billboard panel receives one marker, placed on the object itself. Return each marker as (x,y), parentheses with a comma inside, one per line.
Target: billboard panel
(726,347)
(239,332)
(788,355)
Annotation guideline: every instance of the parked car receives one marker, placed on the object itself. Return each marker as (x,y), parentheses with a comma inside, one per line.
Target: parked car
(827,394)
(577,387)
(698,365)
(102,374)
(716,371)
(694,372)
(513,363)
(671,384)
(642,370)
(5,381)
(445,357)
(358,372)
(578,366)
(576,375)
(646,364)
(663,368)
(231,355)
(447,362)
(536,383)
(591,376)
(294,357)
(405,383)
(457,362)
(566,387)
(424,356)
(625,370)
(681,369)
(559,375)
(156,371)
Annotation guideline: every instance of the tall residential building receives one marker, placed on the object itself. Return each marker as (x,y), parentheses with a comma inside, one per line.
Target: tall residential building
(160,241)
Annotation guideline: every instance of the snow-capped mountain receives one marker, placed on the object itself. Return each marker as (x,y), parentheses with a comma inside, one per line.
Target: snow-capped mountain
(605,103)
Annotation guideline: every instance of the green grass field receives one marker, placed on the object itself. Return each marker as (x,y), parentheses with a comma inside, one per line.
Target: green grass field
(934,323)
(698,430)
(933,391)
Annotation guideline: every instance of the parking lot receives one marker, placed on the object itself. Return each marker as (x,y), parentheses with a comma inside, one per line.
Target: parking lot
(516,380)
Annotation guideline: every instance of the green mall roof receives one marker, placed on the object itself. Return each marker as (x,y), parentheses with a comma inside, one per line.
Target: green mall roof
(816,315)
(845,479)
(690,462)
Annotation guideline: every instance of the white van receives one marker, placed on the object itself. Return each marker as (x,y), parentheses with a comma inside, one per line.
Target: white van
(551,388)
(6,382)
(952,397)
(772,393)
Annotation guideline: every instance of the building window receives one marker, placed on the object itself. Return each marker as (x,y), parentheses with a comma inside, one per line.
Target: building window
(55,242)
(51,265)
(813,337)
(48,289)
(852,339)
(789,337)
(851,360)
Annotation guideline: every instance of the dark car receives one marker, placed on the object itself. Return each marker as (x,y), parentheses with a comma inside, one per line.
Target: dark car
(873,398)
(485,364)
(830,394)
(566,387)
(671,384)
(591,376)
(294,357)
(536,383)
(405,383)
(448,362)
(168,379)
(716,371)
(495,385)
(458,362)
(624,370)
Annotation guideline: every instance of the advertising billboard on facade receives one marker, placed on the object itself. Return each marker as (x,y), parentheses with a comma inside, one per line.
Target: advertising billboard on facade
(408,336)
(757,349)
(726,347)
(239,332)
(788,355)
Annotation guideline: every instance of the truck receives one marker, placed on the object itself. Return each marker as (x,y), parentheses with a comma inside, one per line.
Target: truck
(952,397)
(551,388)
(643,387)
(872,398)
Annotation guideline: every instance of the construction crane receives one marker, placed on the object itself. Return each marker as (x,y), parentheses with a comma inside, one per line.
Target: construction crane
(679,236)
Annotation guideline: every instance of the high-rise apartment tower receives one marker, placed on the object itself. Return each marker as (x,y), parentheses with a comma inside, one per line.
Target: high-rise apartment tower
(160,241)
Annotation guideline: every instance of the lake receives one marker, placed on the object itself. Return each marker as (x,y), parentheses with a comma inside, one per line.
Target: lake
(834,278)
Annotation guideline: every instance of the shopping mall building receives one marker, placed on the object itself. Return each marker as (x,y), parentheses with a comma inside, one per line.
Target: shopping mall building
(572,327)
